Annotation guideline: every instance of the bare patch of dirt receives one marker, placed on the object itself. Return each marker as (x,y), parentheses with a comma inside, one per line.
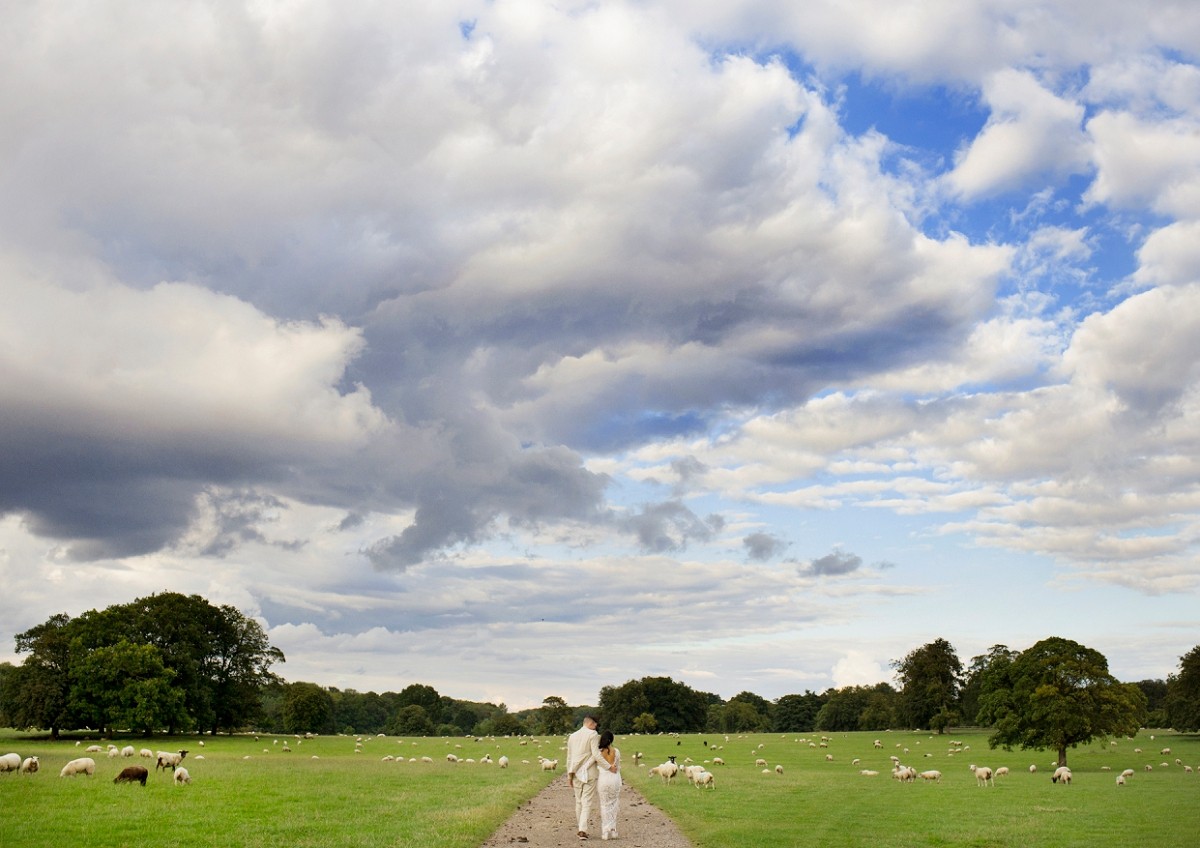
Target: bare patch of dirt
(548,821)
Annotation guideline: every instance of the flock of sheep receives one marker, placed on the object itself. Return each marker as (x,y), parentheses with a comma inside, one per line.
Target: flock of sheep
(86,766)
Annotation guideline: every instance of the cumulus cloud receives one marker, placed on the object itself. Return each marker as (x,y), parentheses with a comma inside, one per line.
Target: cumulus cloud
(763,546)
(833,564)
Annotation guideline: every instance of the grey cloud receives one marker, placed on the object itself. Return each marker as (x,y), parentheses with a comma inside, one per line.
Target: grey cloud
(670,526)
(763,546)
(833,564)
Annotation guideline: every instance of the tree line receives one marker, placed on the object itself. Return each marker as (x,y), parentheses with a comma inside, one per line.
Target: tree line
(178,663)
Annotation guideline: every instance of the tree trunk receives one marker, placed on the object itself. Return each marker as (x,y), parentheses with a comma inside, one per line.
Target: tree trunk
(1062,755)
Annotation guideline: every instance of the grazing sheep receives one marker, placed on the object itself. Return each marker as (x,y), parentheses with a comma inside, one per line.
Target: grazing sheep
(10,762)
(133,774)
(549,765)
(666,771)
(779,769)
(931,776)
(1000,772)
(905,774)
(94,749)
(983,775)
(83,765)
(452,758)
(502,762)
(128,751)
(1120,780)
(869,773)
(1127,773)
(760,762)
(169,758)
(182,776)
(1165,751)
(705,778)
(29,765)
(1033,769)
(1062,774)
(717,761)
(147,753)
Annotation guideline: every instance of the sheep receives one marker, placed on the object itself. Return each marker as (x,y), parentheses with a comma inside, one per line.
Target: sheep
(705,778)
(779,769)
(1033,769)
(147,753)
(128,751)
(931,776)
(29,765)
(666,771)
(132,774)
(1062,774)
(94,749)
(549,765)
(502,762)
(10,762)
(1127,773)
(82,765)
(1166,751)
(1000,772)
(983,775)
(760,762)
(869,773)
(1120,780)
(904,774)
(717,761)
(181,776)
(169,758)
(452,758)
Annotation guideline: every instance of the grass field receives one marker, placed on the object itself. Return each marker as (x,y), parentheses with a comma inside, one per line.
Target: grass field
(250,793)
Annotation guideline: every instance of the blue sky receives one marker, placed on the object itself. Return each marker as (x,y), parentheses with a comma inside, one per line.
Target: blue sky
(520,349)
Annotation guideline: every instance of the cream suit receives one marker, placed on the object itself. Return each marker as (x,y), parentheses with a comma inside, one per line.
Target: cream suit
(583,759)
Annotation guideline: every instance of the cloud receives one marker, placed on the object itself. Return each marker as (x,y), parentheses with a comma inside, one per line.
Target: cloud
(835,563)
(763,546)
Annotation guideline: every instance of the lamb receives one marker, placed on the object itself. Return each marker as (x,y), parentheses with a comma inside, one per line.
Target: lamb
(10,762)
(168,758)
(82,765)
(182,776)
(132,774)
(1062,774)
(983,775)
(29,765)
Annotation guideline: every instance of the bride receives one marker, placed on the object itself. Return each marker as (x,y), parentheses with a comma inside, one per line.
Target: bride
(609,786)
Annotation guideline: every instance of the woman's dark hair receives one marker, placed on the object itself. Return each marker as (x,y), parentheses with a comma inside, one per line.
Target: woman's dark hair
(606,739)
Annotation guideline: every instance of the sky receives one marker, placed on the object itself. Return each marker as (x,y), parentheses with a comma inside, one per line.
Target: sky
(523,348)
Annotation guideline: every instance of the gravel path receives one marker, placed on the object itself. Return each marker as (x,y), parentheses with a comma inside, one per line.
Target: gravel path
(548,821)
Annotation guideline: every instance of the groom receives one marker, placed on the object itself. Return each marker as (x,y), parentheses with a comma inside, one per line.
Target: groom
(583,758)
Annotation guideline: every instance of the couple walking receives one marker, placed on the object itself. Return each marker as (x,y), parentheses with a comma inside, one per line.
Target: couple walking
(594,769)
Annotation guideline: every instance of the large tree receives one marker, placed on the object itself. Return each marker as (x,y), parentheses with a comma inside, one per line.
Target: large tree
(555,716)
(125,686)
(1183,693)
(797,713)
(930,678)
(37,691)
(676,707)
(995,660)
(1058,694)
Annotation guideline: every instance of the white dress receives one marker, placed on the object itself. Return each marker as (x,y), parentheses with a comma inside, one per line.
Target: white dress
(609,790)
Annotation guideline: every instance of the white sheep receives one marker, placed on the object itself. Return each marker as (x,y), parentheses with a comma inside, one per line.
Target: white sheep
(1120,780)
(94,749)
(983,775)
(169,758)
(82,765)
(666,771)
(1033,769)
(182,776)
(29,765)
(147,753)
(760,762)
(705,778)
(931,776)
(502,762)
(452,758)
(10,762)
(1000,772)
(779,769)
(1062,774)
(717,761)
(1127,773)
(128,751)
(904,774)
(549,765)
(869,773)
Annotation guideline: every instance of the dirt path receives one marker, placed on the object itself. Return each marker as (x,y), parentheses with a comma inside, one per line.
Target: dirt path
(548,821)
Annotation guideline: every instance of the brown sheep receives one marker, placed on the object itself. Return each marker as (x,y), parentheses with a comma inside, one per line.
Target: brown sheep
(132,774)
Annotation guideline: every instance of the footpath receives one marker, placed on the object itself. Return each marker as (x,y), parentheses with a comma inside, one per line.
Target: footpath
(548,821)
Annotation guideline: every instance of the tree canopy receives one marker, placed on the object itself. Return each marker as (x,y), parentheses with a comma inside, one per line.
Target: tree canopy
(1183,693)
(930,678)
(675,707)
(1057,694)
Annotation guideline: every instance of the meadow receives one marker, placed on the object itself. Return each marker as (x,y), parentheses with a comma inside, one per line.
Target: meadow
(249,792)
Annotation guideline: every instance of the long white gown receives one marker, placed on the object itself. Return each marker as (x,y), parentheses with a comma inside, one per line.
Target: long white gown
(609,790)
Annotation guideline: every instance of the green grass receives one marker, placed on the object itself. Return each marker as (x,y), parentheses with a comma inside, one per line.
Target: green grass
(345,798)
(829,804)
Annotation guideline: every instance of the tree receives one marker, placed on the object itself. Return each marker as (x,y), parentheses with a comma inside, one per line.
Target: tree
(423,696)
(555,716)
(645,723)
(125,686)
(676,707)
(37,690)
(307,708)
(797,713)
(763,709)
(1058,694)
(930,678)
(998,656)
(412,720)
(1156,701)
(1183,693)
